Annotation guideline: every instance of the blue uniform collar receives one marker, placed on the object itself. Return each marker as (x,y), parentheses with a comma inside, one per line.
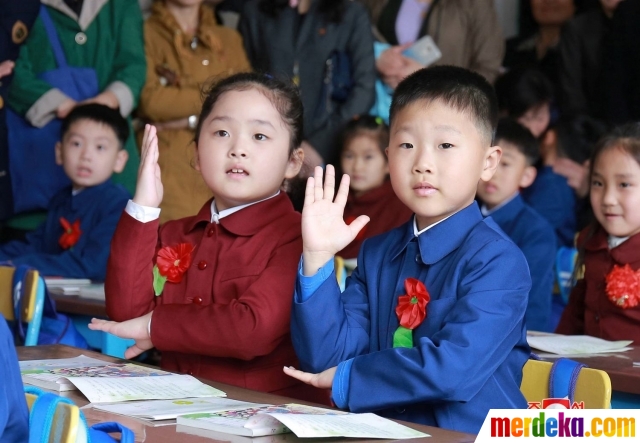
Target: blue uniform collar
(443,238)
(87,194)
(505,214)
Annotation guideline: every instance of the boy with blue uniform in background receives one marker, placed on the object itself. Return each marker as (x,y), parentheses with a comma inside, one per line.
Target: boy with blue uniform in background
(502,201)
(465,353)
(74,240)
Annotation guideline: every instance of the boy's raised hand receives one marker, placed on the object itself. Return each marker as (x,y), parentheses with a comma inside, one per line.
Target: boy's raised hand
(324,231)
(149,188)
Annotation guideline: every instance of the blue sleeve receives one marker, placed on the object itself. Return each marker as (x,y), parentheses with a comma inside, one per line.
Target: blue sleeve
(340,387)
(309,285)
(14,415)
(88,259)
(343,332)
(540,252)
(481,339)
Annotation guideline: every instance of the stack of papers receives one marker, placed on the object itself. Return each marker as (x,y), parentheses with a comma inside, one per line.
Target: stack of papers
(103,382)
(304,421)
(65,286)
(576,344)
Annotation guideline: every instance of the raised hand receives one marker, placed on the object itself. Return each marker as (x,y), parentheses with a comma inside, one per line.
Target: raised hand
(149,188)
(324,231)
(137,329)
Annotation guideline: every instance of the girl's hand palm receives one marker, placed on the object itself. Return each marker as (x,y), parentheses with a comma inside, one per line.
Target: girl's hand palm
(324,232)
(149,188)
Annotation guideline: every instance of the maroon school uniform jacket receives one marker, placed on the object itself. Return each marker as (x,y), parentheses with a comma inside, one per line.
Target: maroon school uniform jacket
(589,310)
(228,319)
(382,206)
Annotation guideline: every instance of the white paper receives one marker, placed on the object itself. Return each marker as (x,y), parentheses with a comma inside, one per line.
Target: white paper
(168,409)
(109,390)
(348,425)
(60,363)
(576,344)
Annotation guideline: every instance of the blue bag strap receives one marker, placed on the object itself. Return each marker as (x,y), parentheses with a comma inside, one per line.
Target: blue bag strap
(58,53)
(41,416)
(563,378)
(126,434)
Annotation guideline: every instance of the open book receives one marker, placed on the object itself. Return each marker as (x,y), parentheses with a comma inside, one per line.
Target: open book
(575,344)
(304,421)
(103,382)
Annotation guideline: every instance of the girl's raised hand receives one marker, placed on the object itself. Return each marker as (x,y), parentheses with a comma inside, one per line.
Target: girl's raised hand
(324,231)
(136,329)
(149,187)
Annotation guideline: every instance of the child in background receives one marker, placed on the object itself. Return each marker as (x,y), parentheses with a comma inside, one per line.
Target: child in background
(526,95)
(452,358)
(74,240)
(370,193)
(605,300)
(217,303)
(502,201)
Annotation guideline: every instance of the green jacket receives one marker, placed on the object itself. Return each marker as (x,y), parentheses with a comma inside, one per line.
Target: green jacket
(108,37)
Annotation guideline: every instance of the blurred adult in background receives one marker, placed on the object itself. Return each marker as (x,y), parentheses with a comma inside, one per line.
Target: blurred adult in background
(15,22)
(326,47)
(185,48)
(581,62)
(541,49)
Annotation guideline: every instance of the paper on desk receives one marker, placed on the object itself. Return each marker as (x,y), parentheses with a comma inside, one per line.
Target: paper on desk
(168,409)
(347,425)
(111,390)
(576,344)
(60,363)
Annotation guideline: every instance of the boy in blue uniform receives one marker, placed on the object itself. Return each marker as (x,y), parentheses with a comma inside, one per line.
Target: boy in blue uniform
(501,200)
(469,349)
(74,240)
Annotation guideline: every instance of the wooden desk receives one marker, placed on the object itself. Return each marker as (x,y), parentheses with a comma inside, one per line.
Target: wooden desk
(73,304)
(166,434)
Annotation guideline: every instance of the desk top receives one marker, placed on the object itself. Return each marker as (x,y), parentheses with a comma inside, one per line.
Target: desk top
(166,434)
(619,365)
(74,304)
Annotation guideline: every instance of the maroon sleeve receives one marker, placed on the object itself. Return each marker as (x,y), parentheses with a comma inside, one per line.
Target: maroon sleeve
(129,282)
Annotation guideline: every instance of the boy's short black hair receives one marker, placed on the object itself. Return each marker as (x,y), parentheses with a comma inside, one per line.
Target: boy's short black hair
(100,114)
(510,131)
(459,88)
(521,89)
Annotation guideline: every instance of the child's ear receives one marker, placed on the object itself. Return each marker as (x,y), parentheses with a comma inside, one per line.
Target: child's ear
(491,160)
(295,163)
(528,176)
(121,160)
(58,153)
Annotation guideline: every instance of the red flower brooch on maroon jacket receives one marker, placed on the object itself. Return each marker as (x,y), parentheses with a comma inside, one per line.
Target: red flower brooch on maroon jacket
(623,286)
(411,311)
(71,233)
(171,264)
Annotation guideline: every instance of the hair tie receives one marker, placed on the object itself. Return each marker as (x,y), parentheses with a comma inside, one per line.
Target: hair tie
(379,121)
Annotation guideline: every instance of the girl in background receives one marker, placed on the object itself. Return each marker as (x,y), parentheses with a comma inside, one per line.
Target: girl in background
(363,158)
(605,301)
(213,291)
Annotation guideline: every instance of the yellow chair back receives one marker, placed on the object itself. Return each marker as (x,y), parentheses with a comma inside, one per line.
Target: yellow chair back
(593,386)
(65,424)
(6,294)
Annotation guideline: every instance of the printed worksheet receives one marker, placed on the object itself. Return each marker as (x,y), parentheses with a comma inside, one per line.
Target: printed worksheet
(576,344)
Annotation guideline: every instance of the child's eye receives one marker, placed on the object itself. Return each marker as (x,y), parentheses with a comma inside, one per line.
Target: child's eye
(221,133)
(505,164)
(260,137)
(596,183)
(445,145)
(625,184)
(368,157)
(406,145)
(100,147)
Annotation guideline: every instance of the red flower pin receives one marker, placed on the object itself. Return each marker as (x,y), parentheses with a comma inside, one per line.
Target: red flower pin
(71,233)
(623,286)
(411,311)
(171,264)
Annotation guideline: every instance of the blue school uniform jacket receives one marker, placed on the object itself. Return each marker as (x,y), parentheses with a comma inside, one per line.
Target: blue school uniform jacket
(537,240)
(14,415)
(552,197)
(469,351)
(98,208)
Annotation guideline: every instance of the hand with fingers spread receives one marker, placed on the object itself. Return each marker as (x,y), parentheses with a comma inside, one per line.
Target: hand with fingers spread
(137,329)
(322,380)
(324,231)
(149,187)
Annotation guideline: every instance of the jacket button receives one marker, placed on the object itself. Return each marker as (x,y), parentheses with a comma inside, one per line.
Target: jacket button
(197,300)
(190,372)
(81,38)
(418,258)
(202,265)
(210,232)
(597,318)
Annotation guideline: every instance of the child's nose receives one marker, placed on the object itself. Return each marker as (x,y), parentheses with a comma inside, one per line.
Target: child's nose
(237,151)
